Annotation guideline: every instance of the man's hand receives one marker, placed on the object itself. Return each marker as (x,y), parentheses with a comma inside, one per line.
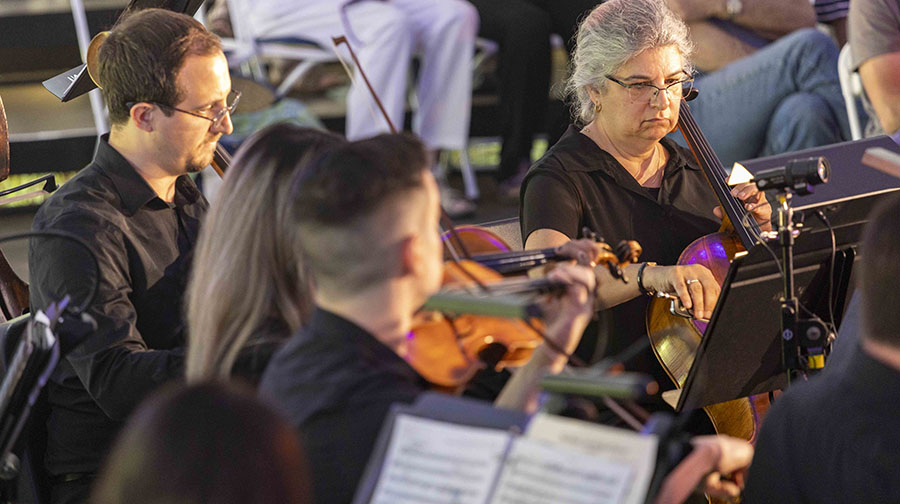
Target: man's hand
(694,284)
(716,465)
(754,201)
(728,459)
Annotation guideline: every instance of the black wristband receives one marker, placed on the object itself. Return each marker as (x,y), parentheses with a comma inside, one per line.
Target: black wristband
(640,279)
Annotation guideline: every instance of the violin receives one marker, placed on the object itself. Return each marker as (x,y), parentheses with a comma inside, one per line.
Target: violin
(674,335)
(488,249)
(455,338)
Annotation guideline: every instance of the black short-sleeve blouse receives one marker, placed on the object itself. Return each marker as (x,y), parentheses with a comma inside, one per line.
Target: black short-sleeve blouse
(577,184)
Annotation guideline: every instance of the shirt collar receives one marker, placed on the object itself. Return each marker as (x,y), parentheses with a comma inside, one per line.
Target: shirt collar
(351,337)
(134,191)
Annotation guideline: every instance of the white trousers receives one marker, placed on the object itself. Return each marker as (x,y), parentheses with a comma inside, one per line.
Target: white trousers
(391,32)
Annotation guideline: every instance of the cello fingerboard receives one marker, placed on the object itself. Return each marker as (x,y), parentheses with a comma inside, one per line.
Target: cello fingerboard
(741,220)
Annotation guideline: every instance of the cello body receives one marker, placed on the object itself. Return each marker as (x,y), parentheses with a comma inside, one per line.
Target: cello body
(674,340)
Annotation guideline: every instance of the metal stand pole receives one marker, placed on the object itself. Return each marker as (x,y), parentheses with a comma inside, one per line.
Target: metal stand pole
(789,348)
(84,40)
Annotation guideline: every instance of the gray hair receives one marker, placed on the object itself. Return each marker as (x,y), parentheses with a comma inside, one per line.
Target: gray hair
(613,33)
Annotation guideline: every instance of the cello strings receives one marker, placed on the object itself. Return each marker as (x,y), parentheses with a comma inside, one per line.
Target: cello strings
(717,172)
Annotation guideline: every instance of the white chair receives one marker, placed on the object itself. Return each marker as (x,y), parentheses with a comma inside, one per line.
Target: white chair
(247,49)
(851,88)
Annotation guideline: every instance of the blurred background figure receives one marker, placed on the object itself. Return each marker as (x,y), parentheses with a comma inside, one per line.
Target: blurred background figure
(768,81)
(386,35)
(874,32)
(208,443)
(522,30)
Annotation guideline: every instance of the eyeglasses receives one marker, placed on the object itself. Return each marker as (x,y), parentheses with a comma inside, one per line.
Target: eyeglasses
(647,92)
(231,103)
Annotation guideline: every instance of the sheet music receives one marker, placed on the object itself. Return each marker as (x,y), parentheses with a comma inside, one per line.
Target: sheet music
(435,462)
(616,445)
(537,472)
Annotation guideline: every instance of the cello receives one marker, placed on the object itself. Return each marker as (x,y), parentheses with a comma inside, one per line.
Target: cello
(13,291)
(674,338)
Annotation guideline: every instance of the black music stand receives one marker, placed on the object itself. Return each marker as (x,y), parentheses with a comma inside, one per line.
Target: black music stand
(741,351)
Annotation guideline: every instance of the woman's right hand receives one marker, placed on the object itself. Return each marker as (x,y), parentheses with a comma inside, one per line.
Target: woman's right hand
(694,284)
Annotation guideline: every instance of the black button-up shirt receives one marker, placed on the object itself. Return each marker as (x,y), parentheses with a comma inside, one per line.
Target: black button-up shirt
(335,383)
(578,184)
(144,247)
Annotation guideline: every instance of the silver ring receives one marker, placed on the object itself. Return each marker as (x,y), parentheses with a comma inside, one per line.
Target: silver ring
(692,280)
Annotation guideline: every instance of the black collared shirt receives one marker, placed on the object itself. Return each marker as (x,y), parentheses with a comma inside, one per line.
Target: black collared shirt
(833,439)
(144,248)
(335,382)
(578,184)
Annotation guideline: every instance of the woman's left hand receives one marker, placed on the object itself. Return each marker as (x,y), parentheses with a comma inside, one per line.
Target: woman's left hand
(754,201)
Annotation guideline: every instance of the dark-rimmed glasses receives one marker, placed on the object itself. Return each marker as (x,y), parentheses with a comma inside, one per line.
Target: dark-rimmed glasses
(647,91)
(231,102)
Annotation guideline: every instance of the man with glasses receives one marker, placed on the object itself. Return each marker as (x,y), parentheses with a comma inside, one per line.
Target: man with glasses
(168,90)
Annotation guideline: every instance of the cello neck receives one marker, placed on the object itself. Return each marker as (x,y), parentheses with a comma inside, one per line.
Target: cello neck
(737,217)
(221,160)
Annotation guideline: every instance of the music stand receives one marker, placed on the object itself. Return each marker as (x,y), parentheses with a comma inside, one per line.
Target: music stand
(740,353)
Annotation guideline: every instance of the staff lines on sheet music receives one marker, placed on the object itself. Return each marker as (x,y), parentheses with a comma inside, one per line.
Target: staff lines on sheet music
(392,496)
(427,484)
(416,450)
(424,484)
(534,478)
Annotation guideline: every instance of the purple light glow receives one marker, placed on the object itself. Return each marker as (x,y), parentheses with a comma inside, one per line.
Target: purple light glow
(483,234)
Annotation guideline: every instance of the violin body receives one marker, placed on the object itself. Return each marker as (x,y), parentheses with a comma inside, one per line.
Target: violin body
(449,351)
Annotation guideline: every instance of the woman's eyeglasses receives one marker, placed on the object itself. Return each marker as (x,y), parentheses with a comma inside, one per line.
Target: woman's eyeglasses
(647,91)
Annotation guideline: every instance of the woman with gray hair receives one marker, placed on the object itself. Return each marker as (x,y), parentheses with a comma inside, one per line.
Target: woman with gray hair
(617,173)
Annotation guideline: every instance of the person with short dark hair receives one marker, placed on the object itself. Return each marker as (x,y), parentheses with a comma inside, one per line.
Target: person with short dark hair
(167,86)
(835,438)
(368,216)
(204,444)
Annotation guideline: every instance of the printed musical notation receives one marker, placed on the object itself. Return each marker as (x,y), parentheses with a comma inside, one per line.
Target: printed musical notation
(537,472)
(432,462)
